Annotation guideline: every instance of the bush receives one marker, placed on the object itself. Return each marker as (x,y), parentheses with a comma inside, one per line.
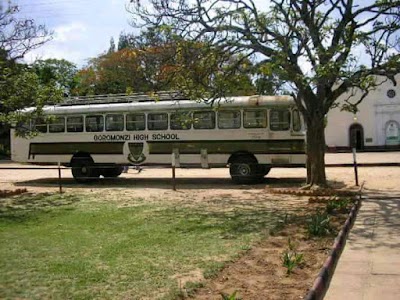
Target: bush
(337,205)
(290,258)
(319,224)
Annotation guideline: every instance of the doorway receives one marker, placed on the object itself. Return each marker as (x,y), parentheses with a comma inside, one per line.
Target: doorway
(392,133)
(356,135)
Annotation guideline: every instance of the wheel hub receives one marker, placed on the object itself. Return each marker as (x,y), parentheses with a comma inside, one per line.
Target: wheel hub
(244,170)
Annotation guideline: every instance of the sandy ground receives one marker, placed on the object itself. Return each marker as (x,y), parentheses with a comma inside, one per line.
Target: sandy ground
(155,181)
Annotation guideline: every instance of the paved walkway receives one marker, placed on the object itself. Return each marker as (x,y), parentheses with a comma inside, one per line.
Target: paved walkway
(369,267)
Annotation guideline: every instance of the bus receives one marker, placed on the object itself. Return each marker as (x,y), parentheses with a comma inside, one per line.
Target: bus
(100,135)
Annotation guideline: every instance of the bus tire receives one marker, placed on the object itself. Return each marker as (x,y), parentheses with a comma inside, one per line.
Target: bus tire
(245,170)
(265,169)
(83,169)
(111,171)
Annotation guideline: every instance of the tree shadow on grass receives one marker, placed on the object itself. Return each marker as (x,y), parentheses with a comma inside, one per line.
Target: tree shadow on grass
(164,183)
(28,206)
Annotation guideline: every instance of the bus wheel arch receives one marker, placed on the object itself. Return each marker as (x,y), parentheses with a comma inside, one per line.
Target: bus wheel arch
(244,168)
(83,167)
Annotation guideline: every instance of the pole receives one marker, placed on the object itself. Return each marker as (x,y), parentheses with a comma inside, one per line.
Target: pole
(59,178)
(173,162)
(355,165)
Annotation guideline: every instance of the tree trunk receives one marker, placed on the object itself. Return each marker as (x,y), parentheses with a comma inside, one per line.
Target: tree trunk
(316,152)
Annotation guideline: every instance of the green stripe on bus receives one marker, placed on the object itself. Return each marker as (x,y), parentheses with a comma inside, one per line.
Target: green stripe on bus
(228,147)
(71,148)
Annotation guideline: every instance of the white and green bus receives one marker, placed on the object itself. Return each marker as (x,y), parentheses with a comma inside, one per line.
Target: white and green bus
(99,135)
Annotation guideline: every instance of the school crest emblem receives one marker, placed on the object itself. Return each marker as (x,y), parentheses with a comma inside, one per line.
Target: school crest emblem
(136,155)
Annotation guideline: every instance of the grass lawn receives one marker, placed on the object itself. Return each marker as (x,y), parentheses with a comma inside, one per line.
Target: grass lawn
(69,246)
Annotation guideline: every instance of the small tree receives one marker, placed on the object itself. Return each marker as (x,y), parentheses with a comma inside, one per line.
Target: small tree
(312,44)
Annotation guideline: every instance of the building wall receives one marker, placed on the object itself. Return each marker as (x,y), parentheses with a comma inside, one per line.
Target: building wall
(378,114)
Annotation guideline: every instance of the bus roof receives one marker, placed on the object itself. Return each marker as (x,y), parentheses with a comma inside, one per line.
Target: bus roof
(168,105)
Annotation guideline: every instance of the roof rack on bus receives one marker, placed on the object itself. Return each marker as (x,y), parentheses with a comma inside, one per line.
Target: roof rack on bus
(123,98)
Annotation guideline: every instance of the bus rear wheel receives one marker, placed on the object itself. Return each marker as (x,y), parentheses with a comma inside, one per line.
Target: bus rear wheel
(83,169)
(245,170)
(111,171)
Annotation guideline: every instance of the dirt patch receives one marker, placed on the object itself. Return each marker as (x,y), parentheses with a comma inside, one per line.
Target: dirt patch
(9,193)
(260,274)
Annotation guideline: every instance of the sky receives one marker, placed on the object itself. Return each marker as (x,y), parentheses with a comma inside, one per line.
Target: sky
(81,28)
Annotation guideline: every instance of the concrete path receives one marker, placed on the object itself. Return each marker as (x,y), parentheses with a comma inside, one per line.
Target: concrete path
(369,267)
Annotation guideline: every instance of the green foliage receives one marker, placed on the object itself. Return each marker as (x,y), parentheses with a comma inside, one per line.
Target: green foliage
(22,88)
(338,205)
(230,297)
(155,61)
(56,71)
(319,224)
(116,244)
(112,46)
(191,288)
(291,258)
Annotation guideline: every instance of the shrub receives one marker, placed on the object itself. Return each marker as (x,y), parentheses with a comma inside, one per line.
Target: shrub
(230,297)
(290,258)
(337,205)
(319,224)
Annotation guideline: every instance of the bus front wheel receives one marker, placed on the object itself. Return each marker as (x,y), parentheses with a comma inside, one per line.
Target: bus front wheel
(83,169)
(244,170)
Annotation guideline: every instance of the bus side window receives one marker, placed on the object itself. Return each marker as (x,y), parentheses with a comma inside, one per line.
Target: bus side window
(157,121)
(40,125)
(204,120)
(114,122)
(75,124)
(279,119)
(94,123)
(57,125)
(135,122)
(180,121)
(254,119)
(229,119)
(296,120)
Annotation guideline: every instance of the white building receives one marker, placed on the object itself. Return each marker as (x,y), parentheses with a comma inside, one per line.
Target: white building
(376,125)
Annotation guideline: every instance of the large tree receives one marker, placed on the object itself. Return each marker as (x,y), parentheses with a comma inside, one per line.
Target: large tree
(19,35)
(156,60)
(322,48)
(20,87)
